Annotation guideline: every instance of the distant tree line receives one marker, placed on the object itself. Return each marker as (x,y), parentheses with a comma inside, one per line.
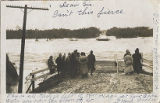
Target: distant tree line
(130,32)
(55,33)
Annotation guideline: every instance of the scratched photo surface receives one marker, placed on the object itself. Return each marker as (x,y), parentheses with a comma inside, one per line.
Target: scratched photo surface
(78,46)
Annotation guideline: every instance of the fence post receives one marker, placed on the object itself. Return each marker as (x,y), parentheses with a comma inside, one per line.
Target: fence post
(33,83)
(117,65)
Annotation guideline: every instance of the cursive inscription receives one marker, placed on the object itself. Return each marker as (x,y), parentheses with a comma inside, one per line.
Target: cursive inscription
(85,11)
(67,5)
(62,14)
(67,9)
(108,12)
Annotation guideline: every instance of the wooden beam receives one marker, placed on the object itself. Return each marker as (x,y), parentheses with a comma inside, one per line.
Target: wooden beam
(42,70)
(41,76)
(144,64)
(29,88)
(21,7)
(20,86)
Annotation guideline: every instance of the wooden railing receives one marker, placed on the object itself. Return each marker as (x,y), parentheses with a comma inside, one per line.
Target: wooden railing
(146,63)
(33,74)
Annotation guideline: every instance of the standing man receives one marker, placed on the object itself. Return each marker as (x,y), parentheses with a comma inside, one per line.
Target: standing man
(64,64)
(75,61)
(51,65)
(59,63)
(91,62)
(137,61)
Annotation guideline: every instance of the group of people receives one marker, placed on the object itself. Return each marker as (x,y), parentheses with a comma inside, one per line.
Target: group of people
(133,63)
(73,64)
(76,63)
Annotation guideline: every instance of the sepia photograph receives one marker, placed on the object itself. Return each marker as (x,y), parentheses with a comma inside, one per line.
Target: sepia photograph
(78,46)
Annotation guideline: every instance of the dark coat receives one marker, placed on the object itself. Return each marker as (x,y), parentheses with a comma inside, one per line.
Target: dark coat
(137,64)
(59,63)
(68,64)
(51,66)
(91,61)
(50,63)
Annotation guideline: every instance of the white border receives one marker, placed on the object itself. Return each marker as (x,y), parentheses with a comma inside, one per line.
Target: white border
(84,98)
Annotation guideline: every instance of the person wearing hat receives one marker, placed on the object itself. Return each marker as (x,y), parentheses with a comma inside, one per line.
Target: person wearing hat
(127,53)
(83,65)
(91,62)
(128,63)
(137,61)
(51,65)
(59,63)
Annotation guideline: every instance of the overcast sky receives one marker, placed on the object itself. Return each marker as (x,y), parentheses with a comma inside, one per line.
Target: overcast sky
(135,13)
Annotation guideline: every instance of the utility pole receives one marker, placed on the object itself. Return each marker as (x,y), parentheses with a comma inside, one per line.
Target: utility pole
(20,86)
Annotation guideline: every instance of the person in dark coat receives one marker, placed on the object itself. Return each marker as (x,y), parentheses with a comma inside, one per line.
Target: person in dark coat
(59,63)
(68,64)
(74,61)
(51,65)
(78,64)
(137,61)
(64,64)
(91,62)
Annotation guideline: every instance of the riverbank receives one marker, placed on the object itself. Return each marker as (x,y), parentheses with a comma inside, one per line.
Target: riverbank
(130,32)
(90,32)
(104,80)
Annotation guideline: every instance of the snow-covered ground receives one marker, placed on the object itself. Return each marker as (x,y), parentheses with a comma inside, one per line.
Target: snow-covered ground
(106,83)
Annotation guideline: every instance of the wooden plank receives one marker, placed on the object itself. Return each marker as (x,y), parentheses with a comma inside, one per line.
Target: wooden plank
(150,62)
(41,76)
(42,70)
(106,63)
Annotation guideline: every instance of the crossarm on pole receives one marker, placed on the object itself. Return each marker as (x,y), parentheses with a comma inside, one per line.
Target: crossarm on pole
(34,8)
